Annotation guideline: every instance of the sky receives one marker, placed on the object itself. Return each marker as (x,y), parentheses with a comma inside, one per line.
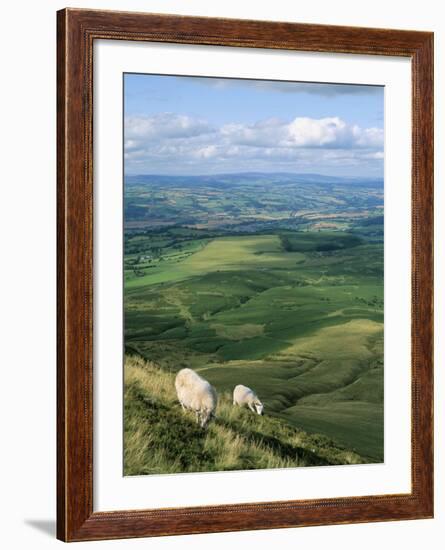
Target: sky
(184,125)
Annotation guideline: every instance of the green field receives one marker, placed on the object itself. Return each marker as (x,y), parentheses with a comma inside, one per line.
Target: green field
(295,312)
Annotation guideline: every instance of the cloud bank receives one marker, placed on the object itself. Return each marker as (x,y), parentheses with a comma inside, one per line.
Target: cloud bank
(174,143)
(314,88)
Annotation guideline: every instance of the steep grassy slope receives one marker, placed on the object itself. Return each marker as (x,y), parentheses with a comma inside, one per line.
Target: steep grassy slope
(160,438)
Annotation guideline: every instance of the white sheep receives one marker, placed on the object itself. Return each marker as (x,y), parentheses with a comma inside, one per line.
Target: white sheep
(196,394)
(242,395)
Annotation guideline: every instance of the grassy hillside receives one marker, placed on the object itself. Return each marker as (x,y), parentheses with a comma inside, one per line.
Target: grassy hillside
(161,438)
(304,329)
(274,281)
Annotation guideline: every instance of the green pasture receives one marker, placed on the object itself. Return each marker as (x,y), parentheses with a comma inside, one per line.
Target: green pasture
(222,254)
(300,321)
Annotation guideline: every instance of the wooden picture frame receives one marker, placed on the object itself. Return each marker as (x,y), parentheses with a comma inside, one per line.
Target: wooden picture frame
(77,31)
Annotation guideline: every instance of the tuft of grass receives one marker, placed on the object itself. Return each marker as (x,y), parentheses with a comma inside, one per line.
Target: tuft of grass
(160,438)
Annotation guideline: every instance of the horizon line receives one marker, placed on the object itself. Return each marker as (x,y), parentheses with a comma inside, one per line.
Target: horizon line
(254,172)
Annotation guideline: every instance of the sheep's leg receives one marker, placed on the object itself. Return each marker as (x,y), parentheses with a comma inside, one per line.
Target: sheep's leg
(251,407)
(198,417)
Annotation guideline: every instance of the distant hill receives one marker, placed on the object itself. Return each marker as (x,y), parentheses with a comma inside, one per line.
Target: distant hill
(250,199)
(255,177)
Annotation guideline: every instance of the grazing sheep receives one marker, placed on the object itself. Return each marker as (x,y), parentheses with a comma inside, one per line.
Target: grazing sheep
(196,394)
(242,395)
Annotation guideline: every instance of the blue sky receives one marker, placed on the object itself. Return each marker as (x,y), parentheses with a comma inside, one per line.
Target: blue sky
(196,125)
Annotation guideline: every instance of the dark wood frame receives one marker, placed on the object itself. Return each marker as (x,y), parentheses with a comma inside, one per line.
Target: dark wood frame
(77,30)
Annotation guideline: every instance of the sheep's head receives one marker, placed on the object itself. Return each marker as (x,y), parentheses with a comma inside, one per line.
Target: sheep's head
(259,407)
(203,421)
(206,417)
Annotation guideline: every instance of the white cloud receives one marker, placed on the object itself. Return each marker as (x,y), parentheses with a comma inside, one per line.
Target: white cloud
(303,132)
(206,152)
(167,142)
(164,125)
(309,132)
(379,155)
(371,137)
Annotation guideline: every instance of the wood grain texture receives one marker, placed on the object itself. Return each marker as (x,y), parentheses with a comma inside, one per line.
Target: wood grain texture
(76,32)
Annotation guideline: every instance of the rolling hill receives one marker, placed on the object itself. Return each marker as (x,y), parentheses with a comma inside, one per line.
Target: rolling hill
(160,438)
(273,281)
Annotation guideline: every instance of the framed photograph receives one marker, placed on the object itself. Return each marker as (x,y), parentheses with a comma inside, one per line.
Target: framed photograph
(245,230)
